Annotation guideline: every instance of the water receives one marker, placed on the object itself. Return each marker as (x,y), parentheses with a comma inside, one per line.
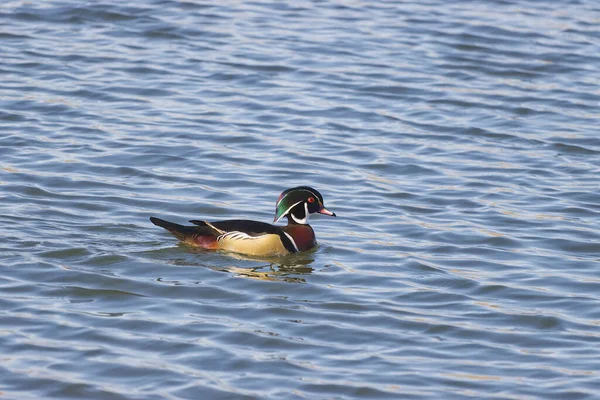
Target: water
(456,141)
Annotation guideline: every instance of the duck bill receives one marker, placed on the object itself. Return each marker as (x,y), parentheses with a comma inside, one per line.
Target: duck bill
(325,211)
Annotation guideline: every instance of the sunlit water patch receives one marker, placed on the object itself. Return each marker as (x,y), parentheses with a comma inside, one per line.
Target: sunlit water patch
(457,144)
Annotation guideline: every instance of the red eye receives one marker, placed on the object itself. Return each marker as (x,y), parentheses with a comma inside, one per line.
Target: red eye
(311,199)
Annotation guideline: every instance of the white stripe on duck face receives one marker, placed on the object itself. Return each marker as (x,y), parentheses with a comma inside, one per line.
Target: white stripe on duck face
(304,220)
(287,211)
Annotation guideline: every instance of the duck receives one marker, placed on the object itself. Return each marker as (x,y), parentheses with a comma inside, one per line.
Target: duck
(256,238)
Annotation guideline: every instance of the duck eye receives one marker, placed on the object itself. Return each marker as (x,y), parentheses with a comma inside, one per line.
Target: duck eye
(311,199)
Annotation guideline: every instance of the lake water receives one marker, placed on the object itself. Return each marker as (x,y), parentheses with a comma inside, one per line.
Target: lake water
(458,142)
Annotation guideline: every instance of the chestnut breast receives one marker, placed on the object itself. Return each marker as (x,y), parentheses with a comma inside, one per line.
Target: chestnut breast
(303,236)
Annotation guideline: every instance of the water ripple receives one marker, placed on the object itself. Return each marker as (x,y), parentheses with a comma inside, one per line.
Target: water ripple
(454,141)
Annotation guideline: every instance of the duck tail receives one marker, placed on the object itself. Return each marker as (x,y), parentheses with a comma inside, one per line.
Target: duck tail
(179,231)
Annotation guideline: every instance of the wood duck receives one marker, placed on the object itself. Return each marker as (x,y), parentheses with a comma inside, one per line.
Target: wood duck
(258,238)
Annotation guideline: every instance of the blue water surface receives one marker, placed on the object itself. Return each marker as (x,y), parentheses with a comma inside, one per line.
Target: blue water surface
(457,142)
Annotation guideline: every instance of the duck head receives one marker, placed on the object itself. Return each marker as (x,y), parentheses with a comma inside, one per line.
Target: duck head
(298,204)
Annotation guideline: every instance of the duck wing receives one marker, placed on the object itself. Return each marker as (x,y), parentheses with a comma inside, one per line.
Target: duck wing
(250,228)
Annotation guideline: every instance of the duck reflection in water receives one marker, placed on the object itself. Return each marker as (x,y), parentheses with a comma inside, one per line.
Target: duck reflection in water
(287,269)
